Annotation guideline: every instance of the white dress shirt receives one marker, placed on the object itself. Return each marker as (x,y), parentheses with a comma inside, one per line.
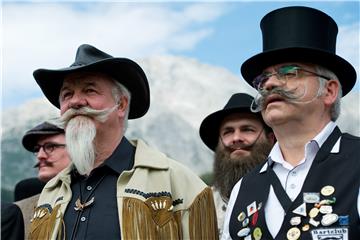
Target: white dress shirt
(291,178)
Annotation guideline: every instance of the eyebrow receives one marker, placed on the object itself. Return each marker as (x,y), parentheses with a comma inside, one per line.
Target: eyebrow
(86,83)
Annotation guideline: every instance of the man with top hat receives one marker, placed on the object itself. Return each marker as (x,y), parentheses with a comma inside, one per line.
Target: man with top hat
(240,139)
(309,186)
(47,142)
(114,188)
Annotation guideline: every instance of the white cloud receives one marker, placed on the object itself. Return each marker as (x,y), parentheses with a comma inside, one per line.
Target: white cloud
(47,34)
(348,44)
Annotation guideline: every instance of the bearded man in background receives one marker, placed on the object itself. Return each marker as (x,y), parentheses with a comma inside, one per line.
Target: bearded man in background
(241,141)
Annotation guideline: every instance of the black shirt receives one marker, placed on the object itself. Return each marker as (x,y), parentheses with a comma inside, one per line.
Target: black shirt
(98,220)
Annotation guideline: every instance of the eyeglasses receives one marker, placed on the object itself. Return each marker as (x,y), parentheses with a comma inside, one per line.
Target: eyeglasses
(48,147)
(284,73)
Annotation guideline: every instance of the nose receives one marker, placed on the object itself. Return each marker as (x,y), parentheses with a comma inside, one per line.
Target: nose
(272,82)
(41,155)
(77,101)
(237,137)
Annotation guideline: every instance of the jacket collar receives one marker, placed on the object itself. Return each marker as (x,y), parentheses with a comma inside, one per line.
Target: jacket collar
(148,157)
(144,157)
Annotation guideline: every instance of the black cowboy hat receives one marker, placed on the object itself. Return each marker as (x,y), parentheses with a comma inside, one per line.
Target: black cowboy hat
(91,59)
(299,34)
(209,128)
(32,136)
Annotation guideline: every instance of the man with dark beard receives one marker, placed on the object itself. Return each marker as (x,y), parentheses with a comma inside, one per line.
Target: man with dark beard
(114,188)
(241,141)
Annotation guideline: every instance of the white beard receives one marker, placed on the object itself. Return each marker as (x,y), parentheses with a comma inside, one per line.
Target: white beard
(80,132)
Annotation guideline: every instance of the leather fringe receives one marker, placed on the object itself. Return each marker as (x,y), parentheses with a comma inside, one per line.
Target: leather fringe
(43,224)
(202,217)
(142,222)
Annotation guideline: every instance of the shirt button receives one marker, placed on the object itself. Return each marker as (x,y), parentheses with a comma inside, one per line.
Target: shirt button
(89,188)
(83,219)
(292,186)
(294,173)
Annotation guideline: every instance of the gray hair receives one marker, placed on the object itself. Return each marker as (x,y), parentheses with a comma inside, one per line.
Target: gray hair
(119,91)
(335,107)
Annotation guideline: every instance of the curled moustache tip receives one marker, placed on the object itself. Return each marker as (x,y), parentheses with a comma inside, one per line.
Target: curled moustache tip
(255,107)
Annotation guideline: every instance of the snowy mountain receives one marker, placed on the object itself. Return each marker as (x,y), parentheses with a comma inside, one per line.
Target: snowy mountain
(183,92)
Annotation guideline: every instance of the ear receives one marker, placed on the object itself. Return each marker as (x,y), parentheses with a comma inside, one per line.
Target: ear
(123,104)
(271,137)
(331,92)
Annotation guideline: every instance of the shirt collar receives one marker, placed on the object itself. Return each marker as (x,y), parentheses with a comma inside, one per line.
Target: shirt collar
(122,158)
(276,155)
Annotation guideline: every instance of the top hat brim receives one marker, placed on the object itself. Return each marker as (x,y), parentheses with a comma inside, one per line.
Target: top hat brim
(124,70)
(345,72)
(209,128)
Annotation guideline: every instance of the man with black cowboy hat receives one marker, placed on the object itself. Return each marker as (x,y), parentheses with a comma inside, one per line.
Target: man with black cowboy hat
(47,142)
(114,188)
(309,186)
(240,139)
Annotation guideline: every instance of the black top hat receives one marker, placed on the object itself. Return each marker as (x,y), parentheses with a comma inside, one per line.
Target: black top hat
(91,59)
(300,34)
(209,128)
(32,136)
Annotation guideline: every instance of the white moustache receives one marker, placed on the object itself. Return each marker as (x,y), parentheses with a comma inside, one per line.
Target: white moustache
(99,115)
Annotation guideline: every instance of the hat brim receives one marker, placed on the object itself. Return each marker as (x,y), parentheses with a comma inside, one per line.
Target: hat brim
(342,69)
(209,128)
(123,70)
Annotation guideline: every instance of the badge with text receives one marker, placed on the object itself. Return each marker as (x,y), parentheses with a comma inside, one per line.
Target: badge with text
(311,197)
(330,233)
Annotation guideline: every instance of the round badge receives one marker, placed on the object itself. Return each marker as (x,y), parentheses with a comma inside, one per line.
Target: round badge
(329,219)
(294,221)
(241,217)
(243,232)
(327,190)
(314,212)
(257,233)
(293,233)
(326,209)
(245,222)
(305,228)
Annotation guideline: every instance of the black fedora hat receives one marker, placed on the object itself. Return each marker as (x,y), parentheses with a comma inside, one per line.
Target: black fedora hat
(299,34)
(91,59)
(31,137)
(209,128)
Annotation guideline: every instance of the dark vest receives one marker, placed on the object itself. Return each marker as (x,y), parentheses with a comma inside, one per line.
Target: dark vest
(338,170)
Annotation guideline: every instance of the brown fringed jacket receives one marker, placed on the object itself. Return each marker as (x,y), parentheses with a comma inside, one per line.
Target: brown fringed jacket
(157,199)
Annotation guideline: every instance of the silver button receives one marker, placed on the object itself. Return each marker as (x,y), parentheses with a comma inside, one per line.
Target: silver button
(83,219)
(89,188)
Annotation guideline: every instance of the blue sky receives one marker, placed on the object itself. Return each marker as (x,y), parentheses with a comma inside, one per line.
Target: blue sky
(47,34)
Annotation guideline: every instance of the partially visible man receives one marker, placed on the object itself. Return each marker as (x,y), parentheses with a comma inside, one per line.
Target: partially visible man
(12,223)
(309,186)
(114,188)
(241,141)
(47,142)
